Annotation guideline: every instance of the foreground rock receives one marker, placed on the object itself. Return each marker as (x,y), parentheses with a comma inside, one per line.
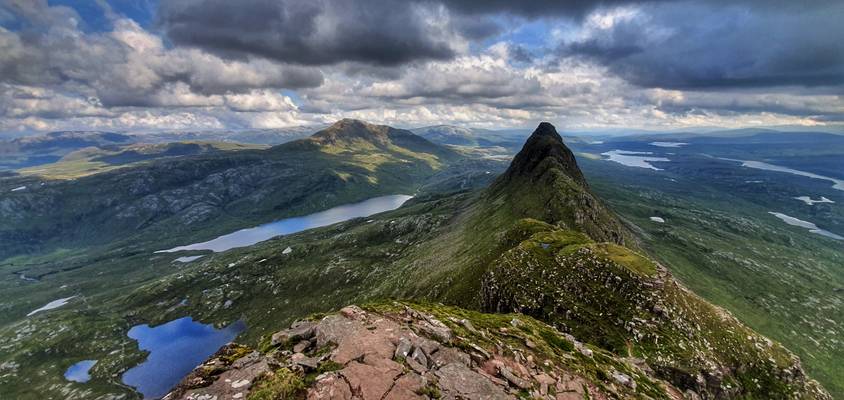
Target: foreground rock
(410,351)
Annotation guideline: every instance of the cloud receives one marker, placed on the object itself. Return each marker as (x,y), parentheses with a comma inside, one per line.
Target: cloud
(688,46)
(130,120)
(129,66)
(468,78)
(535,8)
(259,100)
(802,105)
(212,64)
(27,101)
(318,32)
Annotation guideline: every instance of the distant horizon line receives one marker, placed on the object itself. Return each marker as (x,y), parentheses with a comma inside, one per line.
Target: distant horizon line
(831,129)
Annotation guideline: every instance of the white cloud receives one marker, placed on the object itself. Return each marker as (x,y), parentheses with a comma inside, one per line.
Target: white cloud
(259,100)
(60,77)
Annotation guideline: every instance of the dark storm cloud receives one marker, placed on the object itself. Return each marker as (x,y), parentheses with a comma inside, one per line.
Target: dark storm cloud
(127,66)
(749,104)
(687,46)
(532,9)
(318,32)
(520,54)
(323,32)
(580,8)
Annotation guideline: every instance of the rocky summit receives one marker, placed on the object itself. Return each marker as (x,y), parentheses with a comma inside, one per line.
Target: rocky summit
(545,146)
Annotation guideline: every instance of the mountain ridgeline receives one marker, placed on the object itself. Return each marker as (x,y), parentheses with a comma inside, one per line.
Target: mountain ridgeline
(535,242)
(563,261)
(516,286)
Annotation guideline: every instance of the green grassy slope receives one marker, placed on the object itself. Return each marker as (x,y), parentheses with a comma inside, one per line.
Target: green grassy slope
(615,298)
(474,249)
(720,240)
(782,281)
(206,195)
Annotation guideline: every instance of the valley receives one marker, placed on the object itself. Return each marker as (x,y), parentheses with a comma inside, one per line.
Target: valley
(716,238)
(421,200)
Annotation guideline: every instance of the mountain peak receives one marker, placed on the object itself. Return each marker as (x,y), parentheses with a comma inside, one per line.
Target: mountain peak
(544,182)
(546,129)
(348,129)
(544,150)
(350,122)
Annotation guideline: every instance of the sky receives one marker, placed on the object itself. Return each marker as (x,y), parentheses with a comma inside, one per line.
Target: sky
(150,65)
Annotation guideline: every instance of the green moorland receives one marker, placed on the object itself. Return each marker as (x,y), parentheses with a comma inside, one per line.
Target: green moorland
(720,240)
(186,198)
(78,245)
(443,246)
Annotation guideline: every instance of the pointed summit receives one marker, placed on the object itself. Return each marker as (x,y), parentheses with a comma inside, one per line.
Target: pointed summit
(544,182)
(544,151)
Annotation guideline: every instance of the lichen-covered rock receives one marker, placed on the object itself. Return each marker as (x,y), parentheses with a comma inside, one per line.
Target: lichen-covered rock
(302,330)
(390,352)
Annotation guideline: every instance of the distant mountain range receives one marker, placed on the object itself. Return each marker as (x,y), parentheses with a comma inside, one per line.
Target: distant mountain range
(43,149)
(29,151)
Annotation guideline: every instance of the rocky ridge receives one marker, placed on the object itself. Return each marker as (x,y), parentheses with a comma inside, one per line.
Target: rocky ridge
(620,300)
(416,351)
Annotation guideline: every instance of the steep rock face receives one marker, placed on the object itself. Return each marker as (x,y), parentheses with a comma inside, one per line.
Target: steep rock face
(545,183)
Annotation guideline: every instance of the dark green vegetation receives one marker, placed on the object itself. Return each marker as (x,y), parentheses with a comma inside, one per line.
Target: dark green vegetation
(442,246)
(203,196)
(283,385)
(720,241)
(610,296)
(100,248)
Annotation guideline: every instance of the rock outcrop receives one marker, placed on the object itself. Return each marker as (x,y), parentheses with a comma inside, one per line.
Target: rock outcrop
(412,351)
